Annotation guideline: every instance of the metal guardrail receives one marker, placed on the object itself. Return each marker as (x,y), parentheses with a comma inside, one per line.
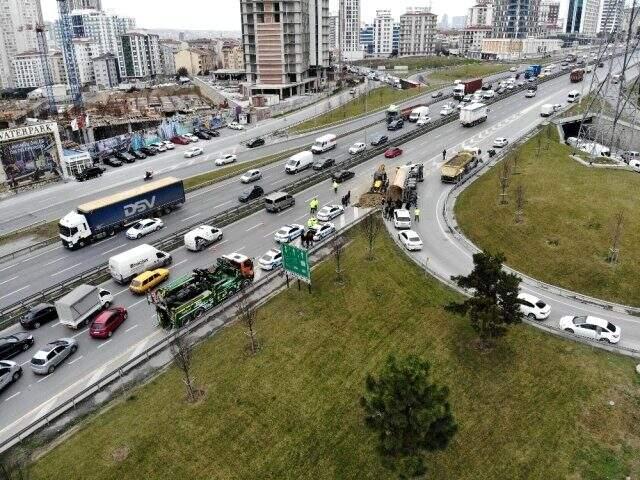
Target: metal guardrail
(11,314)
(162,344)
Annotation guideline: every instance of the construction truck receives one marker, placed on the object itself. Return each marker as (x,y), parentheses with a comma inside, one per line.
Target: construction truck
(192,295)
(576,75)
(454,170)
(380,181)
(404,187)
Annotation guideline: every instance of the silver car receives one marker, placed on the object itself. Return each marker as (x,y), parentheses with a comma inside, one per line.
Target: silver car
(10,372)
(53,354)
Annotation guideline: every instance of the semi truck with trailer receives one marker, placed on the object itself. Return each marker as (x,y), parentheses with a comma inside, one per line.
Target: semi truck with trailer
(473,114)
(394,112)
(454,170)
(466,88)
(105,216)
(80,305)
(404,187)
(192,295)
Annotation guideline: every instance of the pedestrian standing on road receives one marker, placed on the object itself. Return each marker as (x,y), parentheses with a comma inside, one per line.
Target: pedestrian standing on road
(335,187)
(444,154)
(348,198)
(416,215)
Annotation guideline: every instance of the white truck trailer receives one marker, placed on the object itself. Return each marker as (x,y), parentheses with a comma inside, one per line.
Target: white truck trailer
(473,114)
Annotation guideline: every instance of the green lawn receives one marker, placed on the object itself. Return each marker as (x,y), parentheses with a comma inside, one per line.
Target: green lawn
(463,72)
(416,63)
(376,99)
(536,407)
(568,222)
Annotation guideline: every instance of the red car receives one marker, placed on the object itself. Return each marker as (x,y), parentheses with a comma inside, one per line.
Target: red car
(393,152)
(180,140)
(107,321)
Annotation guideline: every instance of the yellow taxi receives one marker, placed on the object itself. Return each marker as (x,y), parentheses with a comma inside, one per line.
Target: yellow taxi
(147,280)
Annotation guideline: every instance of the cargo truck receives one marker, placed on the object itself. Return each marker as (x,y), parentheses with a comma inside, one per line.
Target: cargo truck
(104,217)
(394,112)
(454,170)
(79,306)
(473,114)
(576,75)
(193,295)
(532,71)
(466,88)
(404,187)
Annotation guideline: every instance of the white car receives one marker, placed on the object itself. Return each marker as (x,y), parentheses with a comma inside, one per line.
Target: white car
(225,159)
(401,218)
(191,137)
(160,146)
(635,165)
(329,212)
(144,227)
(10,372)
(193,152)
(289,233)
(511,86)
(322,230)
(591,327)
(500,142)
(271,259)
(235,126)
(513,69)
(489,94)
(168,145)
(201,237)
(251,176)
(446,110)
(423,121)
(411,240)
(357,148)
(530,94)
(533,307)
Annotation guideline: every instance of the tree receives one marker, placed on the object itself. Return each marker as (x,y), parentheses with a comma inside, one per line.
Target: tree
(409,412)
(337,249)
(505,173)
(616,236)
(371,227)
(248,314)
(494,304)
(182,72)
(520,202)
(182,353)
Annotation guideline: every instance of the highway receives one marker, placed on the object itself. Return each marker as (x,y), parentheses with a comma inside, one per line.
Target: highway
(32,397)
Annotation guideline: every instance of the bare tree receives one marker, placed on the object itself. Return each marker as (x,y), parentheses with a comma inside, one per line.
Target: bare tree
(616,237)
(514,161)
(182,353)
(505,173)
(520,202)
(371,227)
(13,470)
(538,142)
(337,249)
(248,314)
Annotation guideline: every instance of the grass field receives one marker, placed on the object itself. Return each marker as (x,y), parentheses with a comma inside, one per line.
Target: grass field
(463,72)
(568,222)
(375,99)
(416,63)
(536,407)
(41,232)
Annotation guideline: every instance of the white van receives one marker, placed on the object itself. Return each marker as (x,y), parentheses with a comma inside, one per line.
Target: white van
(126,265)
(418,113)
(573,96)
(324,143)
(401,219)
(547,110)
(299,162)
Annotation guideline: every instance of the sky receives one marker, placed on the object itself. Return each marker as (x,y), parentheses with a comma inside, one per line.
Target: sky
(225,14)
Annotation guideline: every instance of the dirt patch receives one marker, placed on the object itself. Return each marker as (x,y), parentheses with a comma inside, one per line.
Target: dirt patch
(120,454)
(369,200)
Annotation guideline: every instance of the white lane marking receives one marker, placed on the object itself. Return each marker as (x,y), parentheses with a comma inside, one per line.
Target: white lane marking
(189,218)
(82,332)
(47,406)
(241,248)
(54,261)
(139,348)
(180,263)
(223,204)
(279,181)
(299,218)
(271,233)
(138,303)
(55,325)
(7,268)
(12,396)
(104,343)
(66,269)
(112,249)
(131,328)
(252,228)
(43,379)
(9,280)
(15,291)
(31,257)
(75,360)
(96,376)
(121,291)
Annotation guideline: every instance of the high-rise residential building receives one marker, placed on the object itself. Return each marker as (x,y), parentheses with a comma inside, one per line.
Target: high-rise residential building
(471,42)
(350,24)
(516,19)
(334,32)
(458,21)
(582,17)
(196,61)
(480,15)
(444,22)
(232,57)
(549,14)
(85,50)
(139,55)
(383,33)
(83,4)
(286,45)
(105,69)
(28,69)
(367,44)
(612,17)
(167,57)
(395,41)
(58,68)
(17,34)
(417,32)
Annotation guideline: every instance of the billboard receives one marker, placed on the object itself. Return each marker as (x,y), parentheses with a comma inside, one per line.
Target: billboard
(29,154)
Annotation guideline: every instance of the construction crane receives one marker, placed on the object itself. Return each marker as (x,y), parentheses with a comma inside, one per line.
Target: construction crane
(46,67)
(73,76)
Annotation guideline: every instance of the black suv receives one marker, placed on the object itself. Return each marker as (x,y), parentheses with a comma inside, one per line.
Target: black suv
(149,151)
(89,173)
(36,316)
(396,124)
(12,345)
(210,132)
(202,135)
(251,194)
(112,162)
(323,163)
(138,154)
(256,142)
(125,157)
(379,140)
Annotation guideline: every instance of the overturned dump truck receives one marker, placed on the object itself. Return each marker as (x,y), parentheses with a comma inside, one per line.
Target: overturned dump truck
(454,170)
(194,294)
(404,187)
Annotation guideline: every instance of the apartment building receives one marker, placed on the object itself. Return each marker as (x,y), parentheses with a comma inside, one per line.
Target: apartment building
(83,4)
(417,32)
(549,15)
(85,50)
(582,17)
(516,19)
(106,72)
(139,56)
(480,15)
(195,60)
(232,57)
(17,34)
(350,25)
(612,17)
(383,33)
(471,42)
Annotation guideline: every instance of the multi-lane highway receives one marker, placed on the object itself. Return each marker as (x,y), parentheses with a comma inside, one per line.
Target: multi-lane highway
(32,397)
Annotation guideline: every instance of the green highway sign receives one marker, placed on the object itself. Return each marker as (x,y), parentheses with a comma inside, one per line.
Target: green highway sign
(295,261)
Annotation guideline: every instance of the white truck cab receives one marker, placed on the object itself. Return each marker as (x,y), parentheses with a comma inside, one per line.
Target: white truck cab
(74,230)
